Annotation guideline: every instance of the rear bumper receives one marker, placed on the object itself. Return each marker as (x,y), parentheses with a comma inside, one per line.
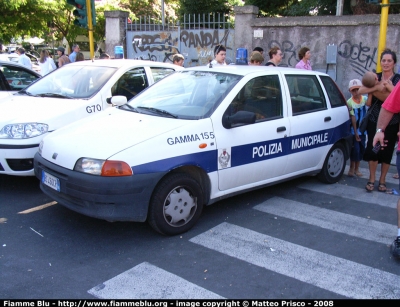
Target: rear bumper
(108,198)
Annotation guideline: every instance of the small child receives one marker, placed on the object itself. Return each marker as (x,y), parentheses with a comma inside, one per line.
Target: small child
(357,109)
(369,79)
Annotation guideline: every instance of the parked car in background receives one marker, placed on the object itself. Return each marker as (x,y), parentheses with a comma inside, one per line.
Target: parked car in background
(13,57)
(14,77)
(72,92)
(195,137)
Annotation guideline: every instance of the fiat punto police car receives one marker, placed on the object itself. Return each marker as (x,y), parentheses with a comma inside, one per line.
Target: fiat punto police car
(193,138)
(75,91)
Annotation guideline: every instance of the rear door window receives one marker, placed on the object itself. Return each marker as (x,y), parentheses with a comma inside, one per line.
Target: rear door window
(335,95)
(306,94)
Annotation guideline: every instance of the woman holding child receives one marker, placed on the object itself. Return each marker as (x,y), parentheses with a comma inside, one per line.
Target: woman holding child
(386,80)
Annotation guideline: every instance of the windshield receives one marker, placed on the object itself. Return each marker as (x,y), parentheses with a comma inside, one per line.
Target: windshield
(72,82)
(186,94)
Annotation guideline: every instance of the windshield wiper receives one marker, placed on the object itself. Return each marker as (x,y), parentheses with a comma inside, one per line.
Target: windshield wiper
(159,111)
(129,107)
(54,95)
(27,93)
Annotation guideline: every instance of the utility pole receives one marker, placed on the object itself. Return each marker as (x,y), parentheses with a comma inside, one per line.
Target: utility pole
(339,8)
(382,32)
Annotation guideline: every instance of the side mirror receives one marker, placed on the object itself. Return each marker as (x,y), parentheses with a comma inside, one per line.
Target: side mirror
(117,100)
(241,117)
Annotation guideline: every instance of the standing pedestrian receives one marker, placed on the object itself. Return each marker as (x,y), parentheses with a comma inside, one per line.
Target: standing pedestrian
(275,56)
(304,56)
(75,50)
(387,80)
(220,55)
(256,58)
(23,59)
(62,58)
(260,50)
(79,57)
(46,63)
(356,104)
(390,107)
(178,59)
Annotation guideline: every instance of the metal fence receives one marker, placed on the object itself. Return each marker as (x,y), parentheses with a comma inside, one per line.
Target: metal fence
(190,21)
(194,37)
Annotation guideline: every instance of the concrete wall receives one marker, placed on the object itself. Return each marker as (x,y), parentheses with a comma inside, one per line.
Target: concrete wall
(115,30)
(356,38)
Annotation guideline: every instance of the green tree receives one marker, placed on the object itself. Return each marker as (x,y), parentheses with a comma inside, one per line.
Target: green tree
(316,7)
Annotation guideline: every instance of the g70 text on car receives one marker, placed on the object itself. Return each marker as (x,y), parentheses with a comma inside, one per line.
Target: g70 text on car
(74,91)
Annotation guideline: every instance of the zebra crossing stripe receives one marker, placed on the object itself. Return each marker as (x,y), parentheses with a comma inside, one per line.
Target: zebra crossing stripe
(365,171)
(377,198)
(336,221)
(146,281)
(334,274)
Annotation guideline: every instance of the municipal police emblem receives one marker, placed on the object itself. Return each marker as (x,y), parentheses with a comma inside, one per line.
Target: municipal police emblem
(224,159)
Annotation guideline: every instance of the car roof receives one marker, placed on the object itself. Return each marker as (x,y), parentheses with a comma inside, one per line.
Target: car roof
(9,63)
(117,63)
(247,69)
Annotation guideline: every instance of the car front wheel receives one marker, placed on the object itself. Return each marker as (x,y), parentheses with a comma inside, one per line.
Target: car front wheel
(334,165)
(176,204)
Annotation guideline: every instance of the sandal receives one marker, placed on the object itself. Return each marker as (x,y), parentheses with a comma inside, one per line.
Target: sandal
(396,176)
(370,186)
(358,173)
(382,187)
(350,173)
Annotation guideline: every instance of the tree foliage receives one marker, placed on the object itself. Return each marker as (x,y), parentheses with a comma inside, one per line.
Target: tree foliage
(315,7)
(53,19)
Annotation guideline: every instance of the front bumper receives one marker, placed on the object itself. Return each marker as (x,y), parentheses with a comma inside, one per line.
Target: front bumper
(108,198)
(17,160)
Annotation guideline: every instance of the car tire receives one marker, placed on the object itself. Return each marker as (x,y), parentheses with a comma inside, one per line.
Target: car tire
(334,164)
(176,204)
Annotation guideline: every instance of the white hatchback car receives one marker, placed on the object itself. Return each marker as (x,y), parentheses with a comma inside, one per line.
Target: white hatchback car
(196,137)
(72,92)
(14,77)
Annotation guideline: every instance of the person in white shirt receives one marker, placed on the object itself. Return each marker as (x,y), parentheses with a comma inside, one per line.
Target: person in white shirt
(220,55)
(23,59)
(46,63)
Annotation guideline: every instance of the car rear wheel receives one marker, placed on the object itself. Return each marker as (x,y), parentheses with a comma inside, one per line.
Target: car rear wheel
(176,204)
(334,165)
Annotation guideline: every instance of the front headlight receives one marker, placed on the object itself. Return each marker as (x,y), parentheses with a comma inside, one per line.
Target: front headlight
(106,168)
(23,131)
(40,147)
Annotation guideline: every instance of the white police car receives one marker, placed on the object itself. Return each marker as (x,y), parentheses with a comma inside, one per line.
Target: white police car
(196,137)
(67,94)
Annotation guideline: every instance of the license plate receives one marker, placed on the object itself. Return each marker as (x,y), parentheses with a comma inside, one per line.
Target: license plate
(51,181)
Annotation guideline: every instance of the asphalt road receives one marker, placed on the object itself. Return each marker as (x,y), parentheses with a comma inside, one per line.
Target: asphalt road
(300,239)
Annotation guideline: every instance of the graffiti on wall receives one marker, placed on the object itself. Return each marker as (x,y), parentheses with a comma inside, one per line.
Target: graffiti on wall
(158,47)
(360,57)
(289,51)
(196,45)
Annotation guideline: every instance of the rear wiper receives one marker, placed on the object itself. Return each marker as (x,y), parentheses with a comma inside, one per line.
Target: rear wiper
(54,95)
(159,111)
(27,93)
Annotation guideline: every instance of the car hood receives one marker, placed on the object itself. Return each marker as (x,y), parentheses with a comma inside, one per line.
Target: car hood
(55,112)
(104,135)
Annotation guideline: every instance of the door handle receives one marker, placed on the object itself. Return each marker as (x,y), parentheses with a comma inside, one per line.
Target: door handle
(327,119)
(280,129)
